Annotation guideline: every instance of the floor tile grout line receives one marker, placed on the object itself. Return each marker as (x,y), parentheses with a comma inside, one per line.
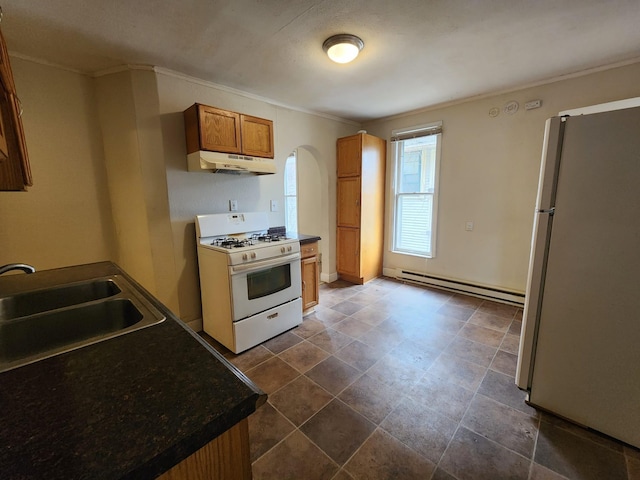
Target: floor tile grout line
(500,444)
(377,425)
(297,427)
(424,372)
(458,422)
(459,425)
(321,449)
(535,447)
(305,436)
(582,437)
(311,367)
(359,448)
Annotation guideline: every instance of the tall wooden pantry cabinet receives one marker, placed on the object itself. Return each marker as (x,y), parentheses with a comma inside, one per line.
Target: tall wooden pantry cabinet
(361,179)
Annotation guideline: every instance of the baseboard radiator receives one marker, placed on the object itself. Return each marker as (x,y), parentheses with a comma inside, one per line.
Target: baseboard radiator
(488,293)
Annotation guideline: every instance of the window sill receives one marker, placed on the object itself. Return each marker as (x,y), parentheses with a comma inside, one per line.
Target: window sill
(412,254)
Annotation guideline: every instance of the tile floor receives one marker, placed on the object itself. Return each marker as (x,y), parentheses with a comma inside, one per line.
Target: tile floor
(395,381)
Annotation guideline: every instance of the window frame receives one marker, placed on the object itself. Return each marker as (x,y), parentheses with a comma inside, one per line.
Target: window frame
(396,165)
(286,196)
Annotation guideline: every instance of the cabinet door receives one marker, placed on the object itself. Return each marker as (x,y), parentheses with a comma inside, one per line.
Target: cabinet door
(309,282)
(4,149)
(257,136)
(15,173)
(349,155)
(219,130)
(7,87)
(349,202)
(348,243)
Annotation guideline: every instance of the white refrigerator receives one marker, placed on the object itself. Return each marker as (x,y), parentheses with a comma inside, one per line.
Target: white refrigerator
(579,351)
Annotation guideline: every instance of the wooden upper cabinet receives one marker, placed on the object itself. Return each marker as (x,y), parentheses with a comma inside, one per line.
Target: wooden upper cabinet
(218,130)
(350,155)
(15,173)
(257,136)
(213,129)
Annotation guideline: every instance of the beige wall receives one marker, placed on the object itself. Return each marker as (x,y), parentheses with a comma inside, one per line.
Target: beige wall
(108,158)
(193,193)
(312,192)
(65,218)
(128,112)
(109,163)
(489,173)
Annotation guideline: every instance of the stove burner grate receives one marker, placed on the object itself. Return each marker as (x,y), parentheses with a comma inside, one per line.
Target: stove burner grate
(267,237)
(231,243)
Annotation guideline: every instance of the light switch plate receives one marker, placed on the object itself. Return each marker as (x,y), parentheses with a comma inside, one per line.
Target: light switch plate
(274,205)
(233,205)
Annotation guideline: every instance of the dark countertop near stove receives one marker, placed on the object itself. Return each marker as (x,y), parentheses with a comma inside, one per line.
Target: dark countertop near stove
(305,238)
(129,407)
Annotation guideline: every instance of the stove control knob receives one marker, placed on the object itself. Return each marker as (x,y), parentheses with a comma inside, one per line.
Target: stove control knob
(244,256)
(282,249)
(289,248)
(253,254)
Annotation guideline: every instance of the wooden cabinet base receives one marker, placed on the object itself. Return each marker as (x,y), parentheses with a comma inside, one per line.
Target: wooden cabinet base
(224,458)
(351,279)
(310,277)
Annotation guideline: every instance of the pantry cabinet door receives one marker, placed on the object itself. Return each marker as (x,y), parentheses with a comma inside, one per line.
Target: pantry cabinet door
(349,156)
(348,243)
(349,202)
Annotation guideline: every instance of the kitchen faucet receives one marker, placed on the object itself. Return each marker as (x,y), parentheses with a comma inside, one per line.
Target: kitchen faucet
(17,266)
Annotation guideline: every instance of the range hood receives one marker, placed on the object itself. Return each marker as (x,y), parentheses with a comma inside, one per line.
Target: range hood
(229,163)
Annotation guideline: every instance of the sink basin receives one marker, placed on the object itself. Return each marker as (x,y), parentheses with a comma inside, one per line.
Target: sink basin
(29,303)
(39,324)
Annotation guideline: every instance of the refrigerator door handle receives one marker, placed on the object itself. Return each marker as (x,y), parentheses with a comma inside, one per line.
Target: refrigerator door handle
(550,211)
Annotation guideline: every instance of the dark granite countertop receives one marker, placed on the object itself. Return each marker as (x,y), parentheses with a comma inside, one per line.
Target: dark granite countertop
(304,239)
(129,407)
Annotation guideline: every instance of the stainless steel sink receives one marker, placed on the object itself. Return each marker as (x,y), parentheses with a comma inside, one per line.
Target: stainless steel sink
(42,323)
(29,303)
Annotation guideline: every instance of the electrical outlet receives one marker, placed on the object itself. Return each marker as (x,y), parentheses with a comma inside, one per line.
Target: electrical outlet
(233,205)
(468,226)
(274,205)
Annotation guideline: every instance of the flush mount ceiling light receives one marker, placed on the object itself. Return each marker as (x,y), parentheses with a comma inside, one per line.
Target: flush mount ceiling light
(342,48)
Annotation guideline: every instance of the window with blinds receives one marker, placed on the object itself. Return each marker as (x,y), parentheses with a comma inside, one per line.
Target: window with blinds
(416,157)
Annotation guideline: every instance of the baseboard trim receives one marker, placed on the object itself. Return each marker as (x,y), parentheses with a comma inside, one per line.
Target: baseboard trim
(195,325)
(329,277)
(468,288)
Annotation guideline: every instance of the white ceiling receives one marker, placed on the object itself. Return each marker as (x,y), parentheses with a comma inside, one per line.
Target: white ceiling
(417,53)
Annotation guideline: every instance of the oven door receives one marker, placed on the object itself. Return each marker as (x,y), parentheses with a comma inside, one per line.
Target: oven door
(262,285)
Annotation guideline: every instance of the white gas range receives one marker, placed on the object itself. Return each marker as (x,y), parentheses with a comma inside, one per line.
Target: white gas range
(250,279)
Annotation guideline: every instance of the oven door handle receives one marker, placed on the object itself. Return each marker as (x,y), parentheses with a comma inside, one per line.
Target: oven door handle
(273,262)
